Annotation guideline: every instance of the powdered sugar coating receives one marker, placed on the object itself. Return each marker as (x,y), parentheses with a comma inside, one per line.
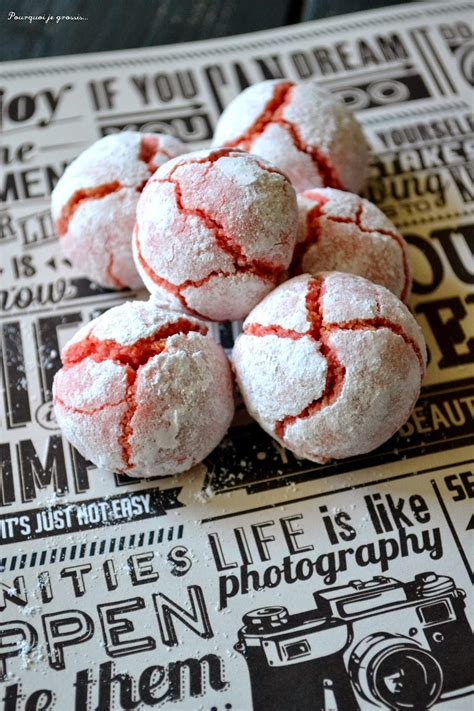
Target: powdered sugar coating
(89,404)
(215,232)
(138,320)
(331,365)
(94,203)
(302,129)
(286,307)
(192,408)
(144,391)
(300,357)
(341,231)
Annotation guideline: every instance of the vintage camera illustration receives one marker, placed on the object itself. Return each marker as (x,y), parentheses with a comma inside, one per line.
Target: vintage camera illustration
(375,644)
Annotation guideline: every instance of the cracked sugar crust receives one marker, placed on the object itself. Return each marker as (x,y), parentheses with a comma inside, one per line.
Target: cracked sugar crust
(144,391)
(94,203)
(121,159)
(344,232)
(138,320)
(331,365)
(302,129)
(215,232)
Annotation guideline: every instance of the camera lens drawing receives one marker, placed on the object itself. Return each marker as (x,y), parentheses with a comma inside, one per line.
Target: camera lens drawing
(381,643)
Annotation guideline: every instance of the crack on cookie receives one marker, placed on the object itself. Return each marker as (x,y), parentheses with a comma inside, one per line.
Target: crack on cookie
(273,114)
(126,427)
(335,373)
(174,289)
(357,221)
(270,169)
(133,357)
(256,329)
(246,139)
(110,266)
(177,289)
(82,411)
(261,268)
(149,149)
(374,324)
(320,332)
(312,231)
(80,196)
(211,157)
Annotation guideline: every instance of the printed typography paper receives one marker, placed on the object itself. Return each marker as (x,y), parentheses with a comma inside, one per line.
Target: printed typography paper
(258,580)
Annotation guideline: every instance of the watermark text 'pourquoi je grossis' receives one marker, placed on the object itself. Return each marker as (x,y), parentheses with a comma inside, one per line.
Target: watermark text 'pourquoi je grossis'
(45,18)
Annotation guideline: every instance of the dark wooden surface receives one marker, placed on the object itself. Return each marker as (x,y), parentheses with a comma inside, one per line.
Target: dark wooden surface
(122,24)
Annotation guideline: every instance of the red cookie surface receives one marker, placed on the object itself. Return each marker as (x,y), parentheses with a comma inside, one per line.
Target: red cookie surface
(302,129)
(330,365)
(215,232)
(340,231)
(94,203)
(144,391)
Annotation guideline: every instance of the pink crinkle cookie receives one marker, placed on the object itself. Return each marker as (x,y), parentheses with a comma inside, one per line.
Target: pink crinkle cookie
(302,129)
(215,232)
(144,391)
(340,231)
(330,365)
(95,200)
